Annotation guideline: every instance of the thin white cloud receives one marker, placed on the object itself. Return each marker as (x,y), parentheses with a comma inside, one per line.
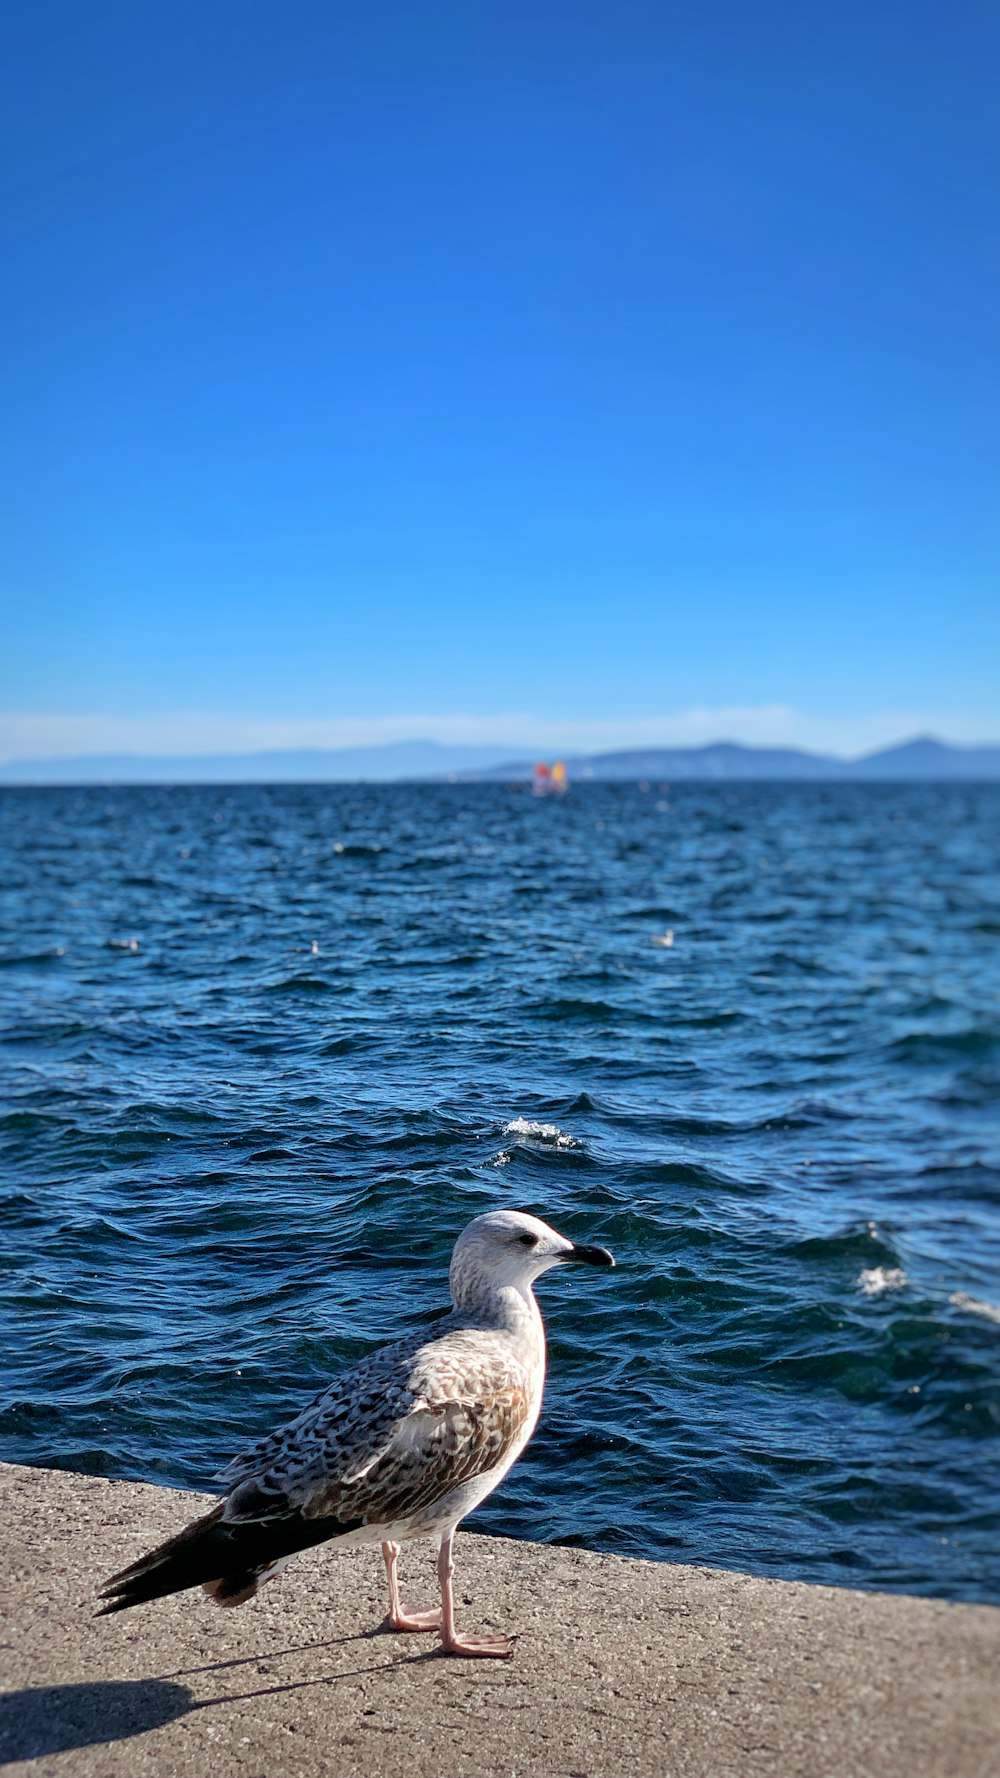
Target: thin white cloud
(52,736)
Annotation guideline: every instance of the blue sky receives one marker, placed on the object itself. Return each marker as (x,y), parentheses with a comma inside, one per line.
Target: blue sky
(572,372)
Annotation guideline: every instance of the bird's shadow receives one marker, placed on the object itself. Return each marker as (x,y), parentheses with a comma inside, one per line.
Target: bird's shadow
(47,1719)
(264,1655)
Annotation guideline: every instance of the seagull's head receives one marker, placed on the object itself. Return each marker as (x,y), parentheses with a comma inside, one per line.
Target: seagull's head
(508,1247)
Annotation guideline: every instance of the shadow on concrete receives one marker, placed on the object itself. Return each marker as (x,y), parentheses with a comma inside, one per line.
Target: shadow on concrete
(48,1719)
(295,1685)
(263,1656)
(57,1718)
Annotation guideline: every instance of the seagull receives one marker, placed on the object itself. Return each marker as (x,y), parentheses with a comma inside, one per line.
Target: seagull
(401,1447)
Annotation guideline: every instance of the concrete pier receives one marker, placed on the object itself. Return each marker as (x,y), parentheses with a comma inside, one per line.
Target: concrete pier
(622,1669)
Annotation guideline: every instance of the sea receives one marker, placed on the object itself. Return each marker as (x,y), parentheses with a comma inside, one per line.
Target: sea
(267,1048)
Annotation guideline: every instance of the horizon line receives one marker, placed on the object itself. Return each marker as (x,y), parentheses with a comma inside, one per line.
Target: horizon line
(30,737)
(506,757)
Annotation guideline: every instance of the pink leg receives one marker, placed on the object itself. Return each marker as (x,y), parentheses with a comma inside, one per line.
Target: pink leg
(398,1619)
(451,1641)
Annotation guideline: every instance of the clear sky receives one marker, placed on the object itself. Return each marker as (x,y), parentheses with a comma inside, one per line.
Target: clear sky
(584,371)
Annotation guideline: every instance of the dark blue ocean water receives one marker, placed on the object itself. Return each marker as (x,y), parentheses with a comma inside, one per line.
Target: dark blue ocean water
(267,1049)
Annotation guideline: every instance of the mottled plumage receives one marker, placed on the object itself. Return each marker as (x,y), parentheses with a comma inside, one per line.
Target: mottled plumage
(403,1446)
(408,1424)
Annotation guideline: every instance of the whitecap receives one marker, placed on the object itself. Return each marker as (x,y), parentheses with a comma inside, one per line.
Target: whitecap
(878,1280)
(959,1299)
(549,1134)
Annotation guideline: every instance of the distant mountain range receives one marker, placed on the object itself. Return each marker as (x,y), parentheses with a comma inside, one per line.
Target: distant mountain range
(395,760)
(923,758)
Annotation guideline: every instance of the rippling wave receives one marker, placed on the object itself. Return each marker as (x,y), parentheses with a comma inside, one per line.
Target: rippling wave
(266,1049)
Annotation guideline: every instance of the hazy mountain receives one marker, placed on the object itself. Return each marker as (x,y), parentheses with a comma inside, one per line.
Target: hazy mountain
(720,759)
(394,760)
(923,758)
(927,758)
(727,760)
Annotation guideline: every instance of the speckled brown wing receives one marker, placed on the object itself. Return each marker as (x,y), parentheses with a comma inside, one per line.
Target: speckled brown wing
(394,1436)
(435,1450)
(362,1405)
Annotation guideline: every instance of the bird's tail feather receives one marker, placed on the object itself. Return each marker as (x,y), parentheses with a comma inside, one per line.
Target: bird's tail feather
(236,1589)
(187,1560)
(229,1558)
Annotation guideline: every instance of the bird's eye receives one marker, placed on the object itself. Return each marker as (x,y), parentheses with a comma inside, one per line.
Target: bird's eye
(528,1240)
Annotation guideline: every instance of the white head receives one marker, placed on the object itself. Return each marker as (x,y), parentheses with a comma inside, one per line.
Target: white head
(508,1247)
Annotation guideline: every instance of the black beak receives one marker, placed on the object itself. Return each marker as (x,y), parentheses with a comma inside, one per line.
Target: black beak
(590,1256)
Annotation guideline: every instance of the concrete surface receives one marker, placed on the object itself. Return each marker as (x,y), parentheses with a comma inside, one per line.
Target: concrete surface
(621,1667)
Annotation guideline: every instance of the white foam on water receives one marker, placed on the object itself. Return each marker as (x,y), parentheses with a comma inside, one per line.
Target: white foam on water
(878,1280)
(550,1134)
(959,1299)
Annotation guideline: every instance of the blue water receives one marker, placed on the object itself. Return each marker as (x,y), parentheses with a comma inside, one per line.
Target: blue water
(267,1049)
